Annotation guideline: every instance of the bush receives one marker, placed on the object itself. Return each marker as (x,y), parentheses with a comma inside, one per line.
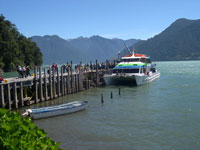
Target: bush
(17,133)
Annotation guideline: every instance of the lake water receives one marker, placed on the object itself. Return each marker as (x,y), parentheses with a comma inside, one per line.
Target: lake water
(162,115)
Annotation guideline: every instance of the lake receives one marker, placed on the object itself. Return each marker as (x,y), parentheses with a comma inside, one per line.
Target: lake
(164,114)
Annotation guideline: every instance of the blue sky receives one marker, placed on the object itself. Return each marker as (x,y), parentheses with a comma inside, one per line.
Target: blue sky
(140,19)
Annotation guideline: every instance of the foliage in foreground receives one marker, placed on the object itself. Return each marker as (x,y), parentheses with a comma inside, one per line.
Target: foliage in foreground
(17,133)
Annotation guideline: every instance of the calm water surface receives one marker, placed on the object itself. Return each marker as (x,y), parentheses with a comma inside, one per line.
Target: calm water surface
(161,115)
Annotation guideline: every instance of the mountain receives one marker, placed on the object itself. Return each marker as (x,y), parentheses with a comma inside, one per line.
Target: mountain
(58,50)
(180,41)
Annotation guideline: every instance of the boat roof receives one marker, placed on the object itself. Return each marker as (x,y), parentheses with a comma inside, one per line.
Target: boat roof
(135,55)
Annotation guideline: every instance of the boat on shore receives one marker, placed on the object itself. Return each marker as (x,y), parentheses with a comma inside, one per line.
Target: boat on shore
(134,69)
(44,112)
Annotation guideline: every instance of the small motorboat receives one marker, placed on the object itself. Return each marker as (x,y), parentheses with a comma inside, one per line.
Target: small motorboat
(44,112)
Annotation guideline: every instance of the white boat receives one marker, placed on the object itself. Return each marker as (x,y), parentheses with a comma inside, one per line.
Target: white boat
(43,112)
(133,69)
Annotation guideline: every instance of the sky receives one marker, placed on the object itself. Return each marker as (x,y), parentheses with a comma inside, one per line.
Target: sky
(125,19)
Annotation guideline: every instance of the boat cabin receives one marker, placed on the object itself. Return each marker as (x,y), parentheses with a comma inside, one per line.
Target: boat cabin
(144,60)
(142,69)
(136,70)
(136,58)
(134,63)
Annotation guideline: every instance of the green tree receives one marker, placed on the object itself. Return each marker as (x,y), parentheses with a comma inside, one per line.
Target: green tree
(15,48)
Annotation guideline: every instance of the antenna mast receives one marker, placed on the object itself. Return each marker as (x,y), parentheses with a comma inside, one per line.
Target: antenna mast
(127,48)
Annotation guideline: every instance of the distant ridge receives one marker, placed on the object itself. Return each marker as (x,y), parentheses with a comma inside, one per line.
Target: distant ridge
(58,50)
(180,41)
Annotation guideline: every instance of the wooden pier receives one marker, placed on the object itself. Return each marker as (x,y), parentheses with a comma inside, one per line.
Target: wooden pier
(43,86)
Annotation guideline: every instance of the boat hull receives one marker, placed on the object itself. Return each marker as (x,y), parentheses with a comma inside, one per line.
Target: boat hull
(140,80)
(46,112)
(136,79)
(119,80)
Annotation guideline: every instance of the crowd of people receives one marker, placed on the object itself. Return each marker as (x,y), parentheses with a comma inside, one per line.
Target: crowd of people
(87,67)
(23,71)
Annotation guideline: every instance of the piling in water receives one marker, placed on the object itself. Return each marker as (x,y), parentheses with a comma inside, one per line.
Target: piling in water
(102,101)
(97,73)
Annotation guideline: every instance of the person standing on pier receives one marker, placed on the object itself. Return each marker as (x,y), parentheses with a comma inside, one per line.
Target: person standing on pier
(53,66)
(28,71)
(56,67)
(1,79)
(23,72)
(19,70)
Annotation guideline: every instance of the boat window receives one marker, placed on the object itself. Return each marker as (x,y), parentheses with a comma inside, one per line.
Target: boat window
(148,60)
(126,70)
(117,70)
(143,60)
(131,70)
(131,60)
(144,70)
(136,60)
(124,60)
(141,70)
(153,70)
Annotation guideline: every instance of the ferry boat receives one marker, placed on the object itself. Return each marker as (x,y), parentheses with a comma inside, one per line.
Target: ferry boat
(133,69)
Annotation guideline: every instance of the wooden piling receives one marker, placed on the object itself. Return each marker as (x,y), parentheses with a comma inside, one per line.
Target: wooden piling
(102,101)
(78,77)
(50,83)
(81,80)
(71,86)
(21,95)
(41,88)
(45,85)
(25,92)
(88,84)
(75,83)
(2,96)
(9,96)
(96,73)
(68,82)
(54,85)
(58,82)
(62,82)
(72,82)
(64,85)
(74,77)
(15,95)
(36,84)
(86,81)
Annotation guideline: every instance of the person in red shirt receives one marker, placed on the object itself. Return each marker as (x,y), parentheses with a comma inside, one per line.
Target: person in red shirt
(28,71)
(1,79)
